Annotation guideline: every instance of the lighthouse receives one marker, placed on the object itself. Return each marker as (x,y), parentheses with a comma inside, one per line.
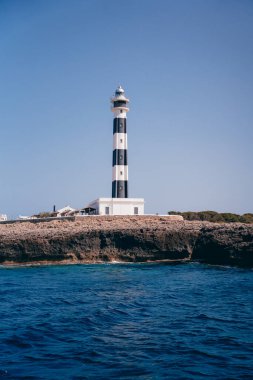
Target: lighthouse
(119,157)
(119,203)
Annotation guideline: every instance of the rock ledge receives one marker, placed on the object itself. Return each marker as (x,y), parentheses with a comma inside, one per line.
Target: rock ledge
(126,239)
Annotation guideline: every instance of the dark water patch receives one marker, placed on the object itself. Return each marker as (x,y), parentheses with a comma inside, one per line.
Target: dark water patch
(136,321)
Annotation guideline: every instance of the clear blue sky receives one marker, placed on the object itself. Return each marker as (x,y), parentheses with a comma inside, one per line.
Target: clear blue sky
(187,67)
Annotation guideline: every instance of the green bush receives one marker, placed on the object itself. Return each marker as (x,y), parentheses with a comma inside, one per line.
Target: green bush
(44,214)
(213,216)
(246,218)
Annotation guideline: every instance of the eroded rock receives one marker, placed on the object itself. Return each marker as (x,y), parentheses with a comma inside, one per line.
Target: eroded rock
(127,239)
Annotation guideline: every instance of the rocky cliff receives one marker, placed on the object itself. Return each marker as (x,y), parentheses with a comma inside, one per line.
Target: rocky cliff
(126,239)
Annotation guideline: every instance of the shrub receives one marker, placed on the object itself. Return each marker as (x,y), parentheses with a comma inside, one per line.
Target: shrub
(213,216)
(44,214)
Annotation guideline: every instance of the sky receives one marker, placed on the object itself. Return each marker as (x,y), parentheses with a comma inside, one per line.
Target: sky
(185,65)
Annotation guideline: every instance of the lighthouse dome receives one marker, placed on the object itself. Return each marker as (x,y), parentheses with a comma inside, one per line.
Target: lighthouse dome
(119,91)
(119,100)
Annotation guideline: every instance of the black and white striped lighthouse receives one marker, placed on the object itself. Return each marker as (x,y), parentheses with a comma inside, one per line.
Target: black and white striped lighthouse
(119,160)
(119,203)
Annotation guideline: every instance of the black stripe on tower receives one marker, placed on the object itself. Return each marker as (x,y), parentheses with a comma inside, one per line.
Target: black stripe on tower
(119,125)
(120,189)
(119,157)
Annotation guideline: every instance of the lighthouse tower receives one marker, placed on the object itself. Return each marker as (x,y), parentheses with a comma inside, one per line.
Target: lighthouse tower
(119,203)
(119,158)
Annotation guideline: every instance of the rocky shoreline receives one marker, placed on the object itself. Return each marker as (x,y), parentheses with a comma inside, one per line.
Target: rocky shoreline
(125,239)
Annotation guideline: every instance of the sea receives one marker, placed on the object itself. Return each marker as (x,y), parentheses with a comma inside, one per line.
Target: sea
(126,321)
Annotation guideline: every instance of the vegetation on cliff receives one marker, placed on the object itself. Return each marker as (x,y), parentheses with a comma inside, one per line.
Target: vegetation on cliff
(213,216)
(45,214)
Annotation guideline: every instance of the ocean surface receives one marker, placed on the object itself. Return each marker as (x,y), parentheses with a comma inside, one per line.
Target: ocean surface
(126,321)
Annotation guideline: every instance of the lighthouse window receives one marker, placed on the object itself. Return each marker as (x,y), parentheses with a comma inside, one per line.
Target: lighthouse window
(121,173)
(121,111)
(121,140)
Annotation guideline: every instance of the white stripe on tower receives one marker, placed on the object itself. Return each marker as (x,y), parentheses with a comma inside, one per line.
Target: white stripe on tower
(120,141)
(119,158)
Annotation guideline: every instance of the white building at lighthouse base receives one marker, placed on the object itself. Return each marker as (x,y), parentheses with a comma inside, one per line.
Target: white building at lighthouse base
(118,206)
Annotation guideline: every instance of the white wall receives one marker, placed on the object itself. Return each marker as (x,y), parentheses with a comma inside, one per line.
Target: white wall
(118,206)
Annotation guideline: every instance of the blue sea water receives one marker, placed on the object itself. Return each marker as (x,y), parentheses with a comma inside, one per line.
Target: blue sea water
(126,321)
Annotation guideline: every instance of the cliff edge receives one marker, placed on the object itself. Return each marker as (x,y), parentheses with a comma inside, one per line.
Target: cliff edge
(126,239)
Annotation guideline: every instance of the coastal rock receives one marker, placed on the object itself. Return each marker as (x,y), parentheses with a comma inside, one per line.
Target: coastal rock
(225,244)
(125,239)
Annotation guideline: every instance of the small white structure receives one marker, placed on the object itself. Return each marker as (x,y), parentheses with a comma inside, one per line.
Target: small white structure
(3,217)
(23,217)
(65,211)
(118,206)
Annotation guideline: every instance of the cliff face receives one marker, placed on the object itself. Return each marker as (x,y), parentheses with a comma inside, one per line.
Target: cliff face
(127,239)
(225,244)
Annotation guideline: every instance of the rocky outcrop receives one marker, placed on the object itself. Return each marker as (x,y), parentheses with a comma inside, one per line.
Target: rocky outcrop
(225,244)
(126,239)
